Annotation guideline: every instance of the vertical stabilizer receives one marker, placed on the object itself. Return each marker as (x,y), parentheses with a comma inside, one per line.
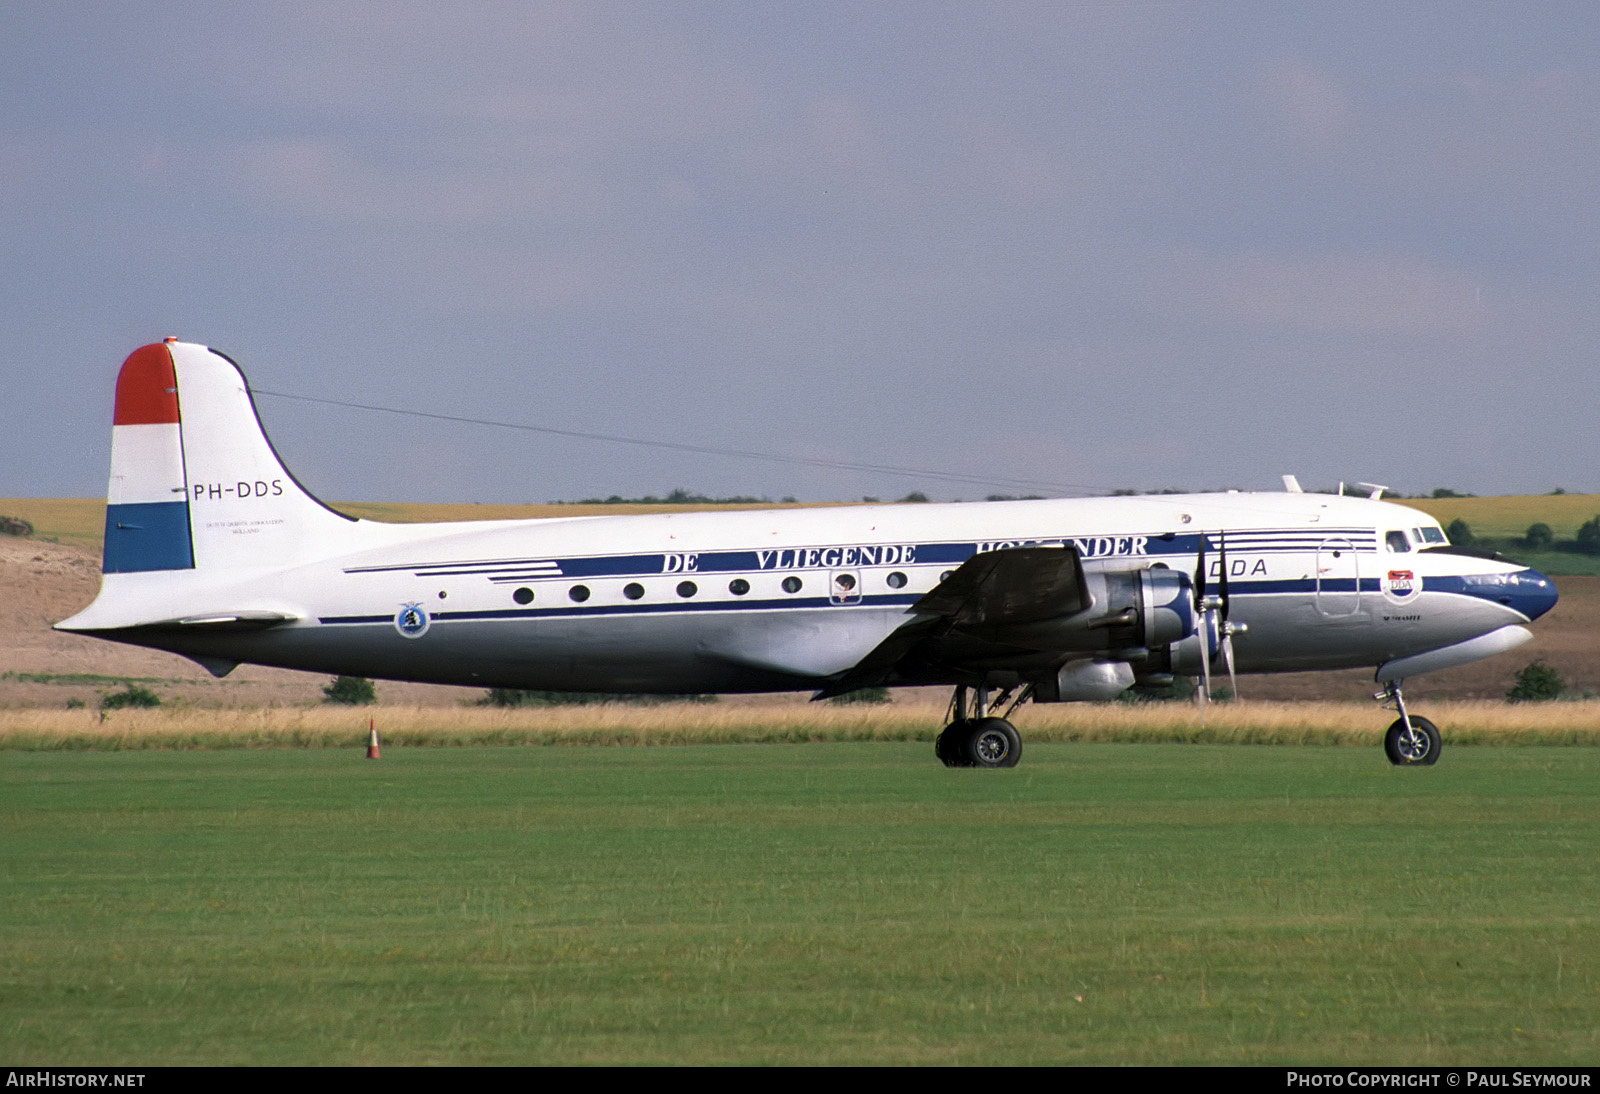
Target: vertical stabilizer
(195,483)
(198,499)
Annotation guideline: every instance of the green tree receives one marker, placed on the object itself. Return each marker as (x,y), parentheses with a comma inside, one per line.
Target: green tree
(351,691)
(1539,537)
(1589,537)
(131,696)
(1460,533)
(1536,683)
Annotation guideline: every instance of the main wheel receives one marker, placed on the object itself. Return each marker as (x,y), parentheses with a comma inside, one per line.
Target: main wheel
(993,742)
(950,746)
(1417,748)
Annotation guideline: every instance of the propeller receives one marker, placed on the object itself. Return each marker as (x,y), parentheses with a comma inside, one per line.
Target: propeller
(1202,608)
(1224,628)
(1213,613)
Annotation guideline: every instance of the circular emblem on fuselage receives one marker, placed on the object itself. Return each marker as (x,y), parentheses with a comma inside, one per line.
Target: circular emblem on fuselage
(1401,586)
(411,621)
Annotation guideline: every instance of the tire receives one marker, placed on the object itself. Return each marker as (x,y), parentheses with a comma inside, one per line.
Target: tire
(992,742)
(1421,749)
(950,746)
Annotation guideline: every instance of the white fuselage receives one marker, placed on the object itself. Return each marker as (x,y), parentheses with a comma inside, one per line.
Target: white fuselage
(784,599)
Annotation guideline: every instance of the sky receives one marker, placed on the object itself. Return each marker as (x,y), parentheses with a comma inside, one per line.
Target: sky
(1011,248)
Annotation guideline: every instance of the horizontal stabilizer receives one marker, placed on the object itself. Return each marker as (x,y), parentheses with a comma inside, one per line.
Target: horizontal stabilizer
(210,622)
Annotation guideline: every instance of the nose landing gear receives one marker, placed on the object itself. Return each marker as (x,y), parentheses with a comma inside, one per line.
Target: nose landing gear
(974,738)
(1410,741)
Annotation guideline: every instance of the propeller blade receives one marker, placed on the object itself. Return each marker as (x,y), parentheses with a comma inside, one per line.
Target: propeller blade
(1222,580)
(1227,658)
(1200,577)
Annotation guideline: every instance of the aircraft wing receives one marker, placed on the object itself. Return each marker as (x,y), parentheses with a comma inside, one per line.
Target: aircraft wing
(989,593)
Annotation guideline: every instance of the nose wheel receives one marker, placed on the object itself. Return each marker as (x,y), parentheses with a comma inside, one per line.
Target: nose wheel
(1413,745)
(974,738)
(1410,741)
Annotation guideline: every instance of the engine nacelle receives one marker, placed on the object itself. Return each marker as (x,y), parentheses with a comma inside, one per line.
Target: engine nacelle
(1166,606)
(1129,611)
(1183,658)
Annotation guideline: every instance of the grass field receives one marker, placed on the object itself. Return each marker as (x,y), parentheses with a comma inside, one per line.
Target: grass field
(851,903)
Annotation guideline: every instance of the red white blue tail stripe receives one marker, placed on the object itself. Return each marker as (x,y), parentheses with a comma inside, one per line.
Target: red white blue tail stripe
(147,508)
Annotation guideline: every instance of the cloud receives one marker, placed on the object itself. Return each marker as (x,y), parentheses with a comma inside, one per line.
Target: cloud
(1361,294)
(1313,108)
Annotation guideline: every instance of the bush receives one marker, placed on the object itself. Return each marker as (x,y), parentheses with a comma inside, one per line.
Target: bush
(1181,690)
(1589,537)
(15,526)
(1460,533)
(131,696)
(1539,537)
(1537,683)
(351,691)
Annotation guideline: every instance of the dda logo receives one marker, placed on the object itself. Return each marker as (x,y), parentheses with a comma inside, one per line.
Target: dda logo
(1400,584)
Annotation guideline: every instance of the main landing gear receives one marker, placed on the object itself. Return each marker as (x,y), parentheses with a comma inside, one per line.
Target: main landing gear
(974,738)
(1410,741)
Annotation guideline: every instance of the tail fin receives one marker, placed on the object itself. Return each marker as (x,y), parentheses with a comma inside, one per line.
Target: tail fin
(195,483)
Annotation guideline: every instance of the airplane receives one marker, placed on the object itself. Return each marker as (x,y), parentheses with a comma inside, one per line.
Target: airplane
(214,550)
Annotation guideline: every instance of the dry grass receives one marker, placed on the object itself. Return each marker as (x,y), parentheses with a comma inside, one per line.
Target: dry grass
(679,723)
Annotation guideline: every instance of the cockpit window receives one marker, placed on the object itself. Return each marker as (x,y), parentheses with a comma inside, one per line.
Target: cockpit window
(1398,543)
(1429,535)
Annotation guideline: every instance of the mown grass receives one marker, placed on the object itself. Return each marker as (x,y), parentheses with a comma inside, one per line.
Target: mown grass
(1297,723)
(849,904)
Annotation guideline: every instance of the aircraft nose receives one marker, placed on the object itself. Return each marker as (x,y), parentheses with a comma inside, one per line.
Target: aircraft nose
(1538,594)
(1528,592)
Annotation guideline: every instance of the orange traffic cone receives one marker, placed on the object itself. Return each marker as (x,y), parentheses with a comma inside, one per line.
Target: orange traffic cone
(372,740)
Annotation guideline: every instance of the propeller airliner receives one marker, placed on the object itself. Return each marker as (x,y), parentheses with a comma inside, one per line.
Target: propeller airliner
(213,550)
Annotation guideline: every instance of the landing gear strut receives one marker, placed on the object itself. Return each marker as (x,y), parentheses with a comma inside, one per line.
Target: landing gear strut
(1410,741)
(974,738)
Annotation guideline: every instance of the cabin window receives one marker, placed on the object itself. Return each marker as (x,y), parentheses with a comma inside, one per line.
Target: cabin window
(633,590)
(738,586)
(897,580)
(580,593)
(523,595)
(1398,543)
(1429,535)
(687,589)
(792,584)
